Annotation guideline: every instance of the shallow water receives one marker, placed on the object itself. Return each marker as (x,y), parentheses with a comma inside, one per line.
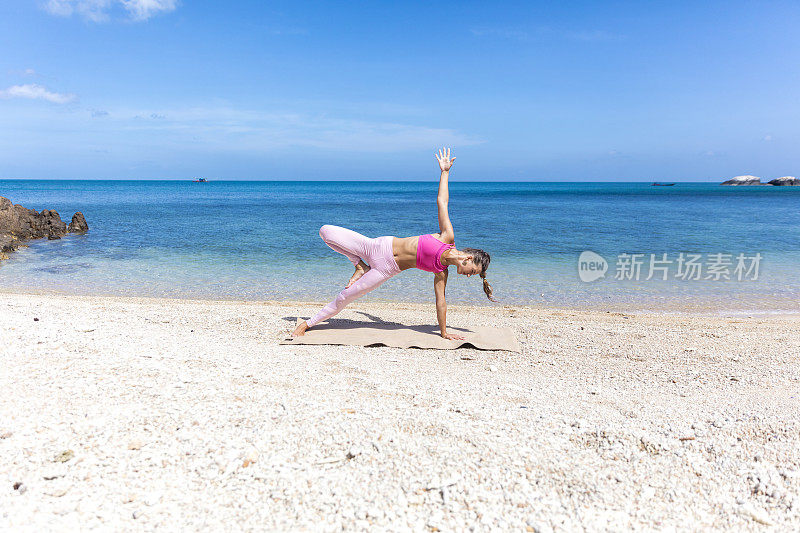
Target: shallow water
(259,240)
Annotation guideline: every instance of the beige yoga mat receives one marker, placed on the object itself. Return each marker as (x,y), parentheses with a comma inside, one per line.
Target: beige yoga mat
(396,335)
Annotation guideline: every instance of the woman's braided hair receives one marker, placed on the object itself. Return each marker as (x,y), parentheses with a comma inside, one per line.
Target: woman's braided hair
(481,258)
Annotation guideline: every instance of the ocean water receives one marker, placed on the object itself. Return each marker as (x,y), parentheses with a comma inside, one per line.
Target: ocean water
(260,241)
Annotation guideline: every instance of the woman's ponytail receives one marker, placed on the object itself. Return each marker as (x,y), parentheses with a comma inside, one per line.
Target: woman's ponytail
(487,288)
(481,258)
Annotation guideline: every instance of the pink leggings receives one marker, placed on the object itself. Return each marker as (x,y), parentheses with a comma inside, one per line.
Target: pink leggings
(377,253)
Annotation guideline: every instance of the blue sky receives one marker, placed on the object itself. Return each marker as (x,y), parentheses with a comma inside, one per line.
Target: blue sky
(170,89)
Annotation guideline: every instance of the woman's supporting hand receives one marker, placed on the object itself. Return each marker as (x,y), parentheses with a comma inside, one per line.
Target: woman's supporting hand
(444,159)
(452,337)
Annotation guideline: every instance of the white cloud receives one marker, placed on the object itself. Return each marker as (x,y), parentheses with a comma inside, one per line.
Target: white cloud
(94,10)
(255,131)
(63,8)
(767,138)
(24,72)
(33,91)
(98,10)
(545,32)
(144,9)
(227,129)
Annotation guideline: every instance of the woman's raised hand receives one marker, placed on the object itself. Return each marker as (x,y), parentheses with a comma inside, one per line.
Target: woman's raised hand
(444,159)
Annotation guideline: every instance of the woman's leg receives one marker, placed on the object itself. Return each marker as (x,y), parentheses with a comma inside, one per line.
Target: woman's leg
(369,281)
(345,241)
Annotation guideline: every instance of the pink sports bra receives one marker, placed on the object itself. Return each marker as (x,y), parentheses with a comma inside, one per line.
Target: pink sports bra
(429,252)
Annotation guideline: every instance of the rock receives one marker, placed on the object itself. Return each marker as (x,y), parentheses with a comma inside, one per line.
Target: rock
(78,224)
(7,243)
(753,512)
(52,474)
(785,180)
(64,456)
(250,458)
(354,452)
(49,224)
(743,180)
(58,491)
(538,527)
(135,444)
(18,224)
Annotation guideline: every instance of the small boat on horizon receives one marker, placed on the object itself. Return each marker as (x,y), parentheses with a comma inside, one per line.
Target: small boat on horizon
(200,180)
(657,184)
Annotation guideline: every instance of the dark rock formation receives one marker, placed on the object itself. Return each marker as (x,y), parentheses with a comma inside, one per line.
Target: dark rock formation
(6,245)
(78,224)
(743,180)
(18,224)
(786,180)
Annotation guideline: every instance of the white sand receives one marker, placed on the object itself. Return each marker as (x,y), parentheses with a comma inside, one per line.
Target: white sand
(187,414)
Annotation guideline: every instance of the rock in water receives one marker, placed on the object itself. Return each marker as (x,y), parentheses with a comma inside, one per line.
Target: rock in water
(743,180)
(24,224)
(19,224)
(50,224)
(785,180)
(7,244)
(78,224)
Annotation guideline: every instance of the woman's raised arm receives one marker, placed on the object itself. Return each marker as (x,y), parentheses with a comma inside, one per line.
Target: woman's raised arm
(445,226)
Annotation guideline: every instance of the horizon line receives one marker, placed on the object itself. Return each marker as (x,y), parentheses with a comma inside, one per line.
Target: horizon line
(191,180)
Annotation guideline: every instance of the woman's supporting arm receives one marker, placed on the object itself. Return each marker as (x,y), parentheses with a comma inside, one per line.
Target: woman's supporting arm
(439,285)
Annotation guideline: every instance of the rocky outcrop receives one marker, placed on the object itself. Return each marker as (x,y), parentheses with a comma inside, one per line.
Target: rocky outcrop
(6,245)
(785,180)
(743,180)
(753,180)
(18,224)
(78,224)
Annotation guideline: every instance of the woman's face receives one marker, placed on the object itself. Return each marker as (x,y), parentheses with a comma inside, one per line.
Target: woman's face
(467,267)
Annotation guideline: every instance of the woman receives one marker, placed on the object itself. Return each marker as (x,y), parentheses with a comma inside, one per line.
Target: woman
(377,260)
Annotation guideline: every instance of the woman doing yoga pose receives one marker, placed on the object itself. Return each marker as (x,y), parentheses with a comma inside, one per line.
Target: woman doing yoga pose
(378,259)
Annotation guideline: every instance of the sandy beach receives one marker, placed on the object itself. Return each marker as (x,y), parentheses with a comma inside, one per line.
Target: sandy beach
(137,414)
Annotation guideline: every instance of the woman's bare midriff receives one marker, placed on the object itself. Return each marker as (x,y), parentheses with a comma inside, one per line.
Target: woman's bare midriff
(405,250)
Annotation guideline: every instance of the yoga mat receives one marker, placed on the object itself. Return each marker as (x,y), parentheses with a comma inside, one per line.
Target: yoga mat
(396,335)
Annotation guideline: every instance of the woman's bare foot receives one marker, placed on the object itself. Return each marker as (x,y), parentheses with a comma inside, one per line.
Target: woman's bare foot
(300,329)
(361,269)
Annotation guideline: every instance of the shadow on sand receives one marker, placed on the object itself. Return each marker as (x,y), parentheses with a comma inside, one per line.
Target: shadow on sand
(376,323)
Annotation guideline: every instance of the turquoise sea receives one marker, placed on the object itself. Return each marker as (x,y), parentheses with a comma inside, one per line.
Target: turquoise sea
(258,240)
